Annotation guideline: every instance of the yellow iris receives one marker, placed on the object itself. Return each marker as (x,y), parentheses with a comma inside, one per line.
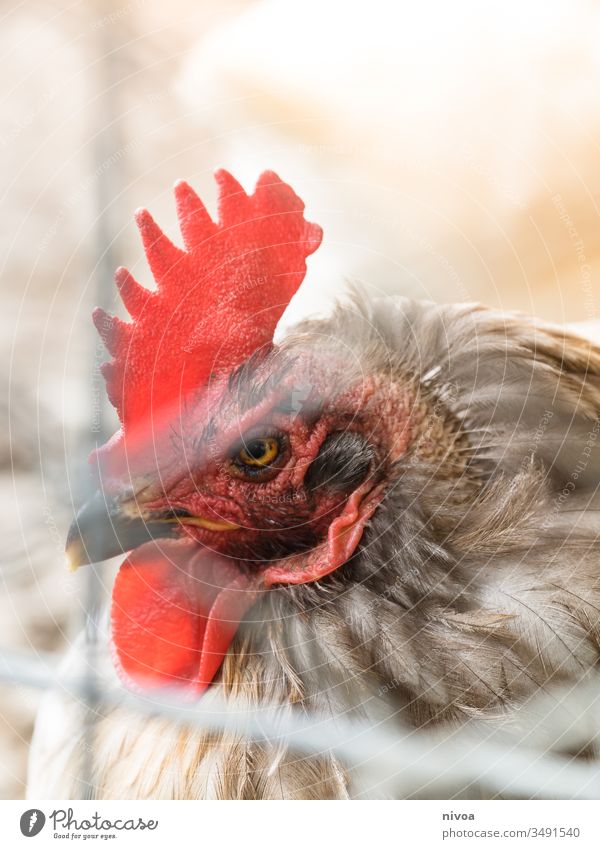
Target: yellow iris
(259,452)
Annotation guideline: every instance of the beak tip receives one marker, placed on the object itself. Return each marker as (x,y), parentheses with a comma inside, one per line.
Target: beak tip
(72,562)
(75,553)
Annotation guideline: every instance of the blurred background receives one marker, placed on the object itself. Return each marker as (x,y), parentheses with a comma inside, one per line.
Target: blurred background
(450,151)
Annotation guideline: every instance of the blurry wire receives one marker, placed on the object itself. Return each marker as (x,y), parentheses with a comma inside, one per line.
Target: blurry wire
(399,762)
(106,141)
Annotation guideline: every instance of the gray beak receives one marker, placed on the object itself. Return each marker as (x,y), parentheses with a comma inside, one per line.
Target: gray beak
(101,529)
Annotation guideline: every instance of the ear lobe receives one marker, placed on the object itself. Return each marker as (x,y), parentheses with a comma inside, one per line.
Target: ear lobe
(344,535)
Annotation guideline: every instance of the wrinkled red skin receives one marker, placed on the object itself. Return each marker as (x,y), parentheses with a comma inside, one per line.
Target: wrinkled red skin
(157,639)
(208,488)
(218,495)
(172,379)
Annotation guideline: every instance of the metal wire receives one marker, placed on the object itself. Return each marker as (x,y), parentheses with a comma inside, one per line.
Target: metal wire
(107,187)
(398,762)
(522,758)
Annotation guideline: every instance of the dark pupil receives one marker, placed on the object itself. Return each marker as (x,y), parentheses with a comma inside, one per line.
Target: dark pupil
(256,448)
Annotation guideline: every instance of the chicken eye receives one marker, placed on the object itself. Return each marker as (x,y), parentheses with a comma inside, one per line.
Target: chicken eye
(259,453)
(259,458)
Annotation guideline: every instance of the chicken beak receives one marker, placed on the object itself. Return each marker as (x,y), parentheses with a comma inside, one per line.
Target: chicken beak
(103,529)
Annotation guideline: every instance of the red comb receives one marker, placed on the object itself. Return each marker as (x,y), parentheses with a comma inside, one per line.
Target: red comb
(216,302)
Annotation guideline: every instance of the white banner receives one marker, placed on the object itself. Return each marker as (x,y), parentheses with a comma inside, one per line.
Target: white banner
(305,825)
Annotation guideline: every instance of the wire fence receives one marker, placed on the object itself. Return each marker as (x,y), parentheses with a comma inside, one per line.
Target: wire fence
(527,753)
(528,757)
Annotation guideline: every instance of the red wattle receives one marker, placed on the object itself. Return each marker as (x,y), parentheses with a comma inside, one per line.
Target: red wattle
(344,535)
(175,610)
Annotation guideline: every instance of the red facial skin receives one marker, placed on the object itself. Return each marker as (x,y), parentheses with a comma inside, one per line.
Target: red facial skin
(215,306)
(205,484)
(286,533)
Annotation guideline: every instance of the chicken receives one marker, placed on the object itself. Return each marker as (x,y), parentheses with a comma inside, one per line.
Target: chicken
(391,514)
